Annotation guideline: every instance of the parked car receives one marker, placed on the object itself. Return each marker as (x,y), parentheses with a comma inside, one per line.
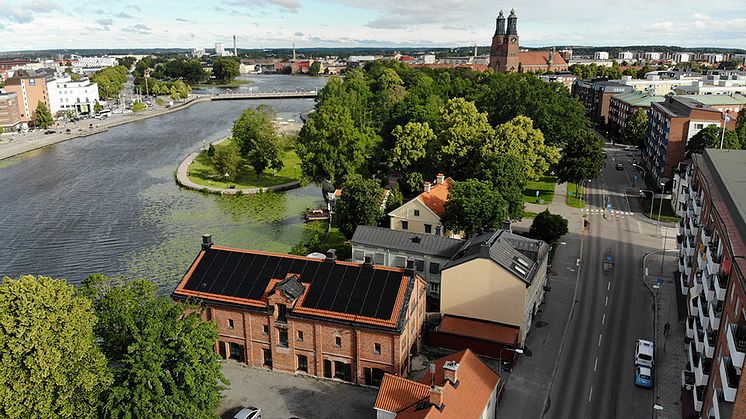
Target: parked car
(619,166)
(644,352)
(49,131)
(643,377)
(249,413)
(630,148)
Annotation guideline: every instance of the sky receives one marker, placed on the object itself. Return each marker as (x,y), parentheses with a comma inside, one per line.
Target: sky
(60,24)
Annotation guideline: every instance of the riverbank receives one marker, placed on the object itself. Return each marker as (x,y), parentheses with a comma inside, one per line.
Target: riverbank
(24,143)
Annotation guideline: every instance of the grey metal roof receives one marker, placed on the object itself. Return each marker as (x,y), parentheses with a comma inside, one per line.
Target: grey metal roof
(729,169)
(426,244)
(517,254)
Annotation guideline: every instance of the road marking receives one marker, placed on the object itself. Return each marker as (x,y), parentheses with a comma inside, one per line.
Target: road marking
(607,301)
(590,395)
(595,364)
(603,319)
(599,339)
(608,287)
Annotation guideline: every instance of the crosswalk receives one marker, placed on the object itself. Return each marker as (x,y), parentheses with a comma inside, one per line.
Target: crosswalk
(592,211)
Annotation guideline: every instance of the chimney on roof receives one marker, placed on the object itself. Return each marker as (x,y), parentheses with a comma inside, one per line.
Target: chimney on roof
(450,370)
(427,187)
(507,226)
(206,241)
(436,396)
(440,178)
(331,255)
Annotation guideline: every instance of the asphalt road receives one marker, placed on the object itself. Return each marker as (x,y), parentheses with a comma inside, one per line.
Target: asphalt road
(595,377)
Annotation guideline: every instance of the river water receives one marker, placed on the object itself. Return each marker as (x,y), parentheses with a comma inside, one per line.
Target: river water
(109,204)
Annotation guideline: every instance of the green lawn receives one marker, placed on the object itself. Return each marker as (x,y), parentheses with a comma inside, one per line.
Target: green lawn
(573,200)
(667,214)
(530,214)
(202,172)
(545,185)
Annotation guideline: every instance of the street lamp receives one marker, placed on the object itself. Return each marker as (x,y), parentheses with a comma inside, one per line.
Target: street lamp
(500,355)
(660,206)
(652,200)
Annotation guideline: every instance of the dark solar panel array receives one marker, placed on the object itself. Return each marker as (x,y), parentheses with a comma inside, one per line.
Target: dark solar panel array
(356,290)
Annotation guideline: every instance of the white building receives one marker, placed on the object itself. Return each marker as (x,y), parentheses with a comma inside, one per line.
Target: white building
(92,64)
(651,56)
(66,94)
(681,57)
(428,59)
(712,58)
(601,55)
(626,56)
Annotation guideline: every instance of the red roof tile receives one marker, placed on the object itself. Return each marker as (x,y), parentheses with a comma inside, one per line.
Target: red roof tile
(437,197)
(479,329)
(397,393)
(540,58)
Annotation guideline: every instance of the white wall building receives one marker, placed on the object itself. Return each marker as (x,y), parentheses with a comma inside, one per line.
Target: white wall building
(681,57)
(95,62)
(626,56)
(66,94)
(712,58)
(219,50)
(428,59)
(651,55)
(601,55)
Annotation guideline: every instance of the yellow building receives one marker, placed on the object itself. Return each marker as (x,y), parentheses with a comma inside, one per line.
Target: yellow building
(498,277)
(423,213)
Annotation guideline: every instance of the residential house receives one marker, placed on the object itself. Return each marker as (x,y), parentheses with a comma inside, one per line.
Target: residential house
(712,275)
(384,246)
(461,387)
(325,318)
(497,277)
(423,213)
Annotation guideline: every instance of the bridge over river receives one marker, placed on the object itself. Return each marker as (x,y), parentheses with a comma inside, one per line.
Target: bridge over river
(295,94)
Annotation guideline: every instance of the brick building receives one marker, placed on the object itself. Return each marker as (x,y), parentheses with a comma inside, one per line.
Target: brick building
(623,106)
(712,237)
(506,56)
(325,318)
(671,124)
(10,118)
(31,90)
(596,96)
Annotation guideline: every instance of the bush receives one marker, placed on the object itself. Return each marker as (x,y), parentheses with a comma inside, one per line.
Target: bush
(548,227)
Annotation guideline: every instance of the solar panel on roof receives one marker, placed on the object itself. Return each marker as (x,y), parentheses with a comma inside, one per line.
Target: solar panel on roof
(378,282)
(329,292)
(344,290)
(234,276)
(388,296)
(198,277)
(317,285)
(355,305)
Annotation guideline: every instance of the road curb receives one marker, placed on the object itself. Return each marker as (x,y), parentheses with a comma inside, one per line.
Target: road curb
(564,334)
(655,318)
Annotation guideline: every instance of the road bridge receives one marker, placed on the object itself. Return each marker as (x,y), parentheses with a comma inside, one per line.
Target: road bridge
(296,94)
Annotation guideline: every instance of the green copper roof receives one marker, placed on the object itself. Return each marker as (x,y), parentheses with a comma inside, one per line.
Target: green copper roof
(715,100)
(639,99)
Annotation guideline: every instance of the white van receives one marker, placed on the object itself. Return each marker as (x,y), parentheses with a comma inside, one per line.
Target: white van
(644,353)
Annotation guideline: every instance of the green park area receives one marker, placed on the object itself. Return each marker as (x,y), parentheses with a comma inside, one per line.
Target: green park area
(544,185)
(317,239)
(575,195)
(204,172)
(666,212)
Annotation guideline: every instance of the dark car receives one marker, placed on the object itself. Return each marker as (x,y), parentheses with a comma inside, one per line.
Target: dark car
(49,131)
(619,166)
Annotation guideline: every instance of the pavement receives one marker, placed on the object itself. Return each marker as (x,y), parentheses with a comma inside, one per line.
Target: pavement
(281,395)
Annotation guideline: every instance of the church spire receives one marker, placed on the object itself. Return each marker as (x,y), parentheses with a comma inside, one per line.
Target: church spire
(500,24)
(512,23)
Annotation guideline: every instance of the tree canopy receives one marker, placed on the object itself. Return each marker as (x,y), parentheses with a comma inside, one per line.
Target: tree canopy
(360,204)
(110,81)
(254,133)
(227,160)
(519,137)
(581,159)
(634,132)
(474,206)
(51,365)
(410,146)
(42,116)
(709,137)
(548,227)
(225,68)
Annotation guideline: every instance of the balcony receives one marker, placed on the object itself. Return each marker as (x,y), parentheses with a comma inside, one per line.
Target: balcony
(699,336)
(736,336)
(693,225)
(721,286)
(699,396)
(684,282)
(681,226)
(681,265)
(706,235)
(703,311)
(693,302)
(692,355)
(696,285)
(708,287)
(689,246)
(716,310)
(702,371)
(711,339)
(688,268)
(701,260)
(713,260)
(696,206)
(729,379)
(690,327)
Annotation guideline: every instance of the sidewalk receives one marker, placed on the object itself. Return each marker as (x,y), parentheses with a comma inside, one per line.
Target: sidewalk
(671,355)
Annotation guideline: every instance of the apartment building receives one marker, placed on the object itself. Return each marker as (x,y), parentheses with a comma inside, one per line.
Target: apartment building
(596,95)
(10,118)
(623,106)
(31,89)
(712,267)
(67,94)
(324,318)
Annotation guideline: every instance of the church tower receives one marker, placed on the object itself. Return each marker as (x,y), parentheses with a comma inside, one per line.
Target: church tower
(505,47)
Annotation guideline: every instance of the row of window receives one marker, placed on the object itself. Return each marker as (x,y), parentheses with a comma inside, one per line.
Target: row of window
(428,227)
(283,335)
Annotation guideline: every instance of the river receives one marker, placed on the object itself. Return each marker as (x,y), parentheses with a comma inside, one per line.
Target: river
(109,204)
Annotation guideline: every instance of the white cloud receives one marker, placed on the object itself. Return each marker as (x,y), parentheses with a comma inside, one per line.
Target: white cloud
(288,5)
(138,29)
(25,12)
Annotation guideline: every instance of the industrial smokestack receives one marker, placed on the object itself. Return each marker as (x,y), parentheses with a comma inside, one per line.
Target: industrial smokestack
(235,50)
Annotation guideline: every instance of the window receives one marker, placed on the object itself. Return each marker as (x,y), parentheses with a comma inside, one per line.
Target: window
(300,336)
(428,228)
(416,213)
(267,357)
(283,338)
(302,363)
(342,371)
(434,268)
(281,312)
(338,341)
(419,264)
(378,259)
(230,324)
(377,348)
(439,230)
(327,368)
(373,376)
(359,255)
(400,262)
(265,329)
(405,225)
(434,288)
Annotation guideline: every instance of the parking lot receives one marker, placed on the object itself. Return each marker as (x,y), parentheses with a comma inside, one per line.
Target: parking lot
(281,395)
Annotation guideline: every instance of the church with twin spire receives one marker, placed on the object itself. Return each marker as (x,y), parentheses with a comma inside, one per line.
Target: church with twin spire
(507,57)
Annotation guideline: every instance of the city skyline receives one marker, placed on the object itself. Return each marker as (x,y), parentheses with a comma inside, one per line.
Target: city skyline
(27,25)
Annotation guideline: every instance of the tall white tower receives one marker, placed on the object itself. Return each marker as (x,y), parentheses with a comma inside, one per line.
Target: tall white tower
(235,49)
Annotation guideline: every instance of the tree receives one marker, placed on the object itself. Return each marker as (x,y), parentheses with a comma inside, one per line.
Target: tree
(97,107)
(741,128)
(634,132)
(210,150)
(548,227)
(410,143)
(51,365)
(254,133)
(225,68)
(465,129)
(227,160)
(360,204)
(315,68)
(507,175)
(42,116)
(581,159)
(161,353)
(709,137)
(75,77)
(138,106)
(519,137)
(110,81)
(474,206)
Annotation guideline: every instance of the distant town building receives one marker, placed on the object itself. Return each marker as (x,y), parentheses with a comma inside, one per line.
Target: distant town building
(596,96)
(325,318)
(601,55)
(713,85)
(31,89)
(566,54)
(89,65)
(681,57)
(423,213)
(565,78)
(713,58)
(77,96)
(626,56)
(219,50)
(460,386)
(651,56)
(428,59)
(506,56)
(10,117)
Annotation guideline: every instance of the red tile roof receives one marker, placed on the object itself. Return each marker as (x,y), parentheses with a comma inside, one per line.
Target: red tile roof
(476,382)
(540,58)
(437,197)
(479,329)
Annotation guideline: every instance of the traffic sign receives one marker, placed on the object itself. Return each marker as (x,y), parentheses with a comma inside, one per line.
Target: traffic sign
(608,258)
(659,281)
